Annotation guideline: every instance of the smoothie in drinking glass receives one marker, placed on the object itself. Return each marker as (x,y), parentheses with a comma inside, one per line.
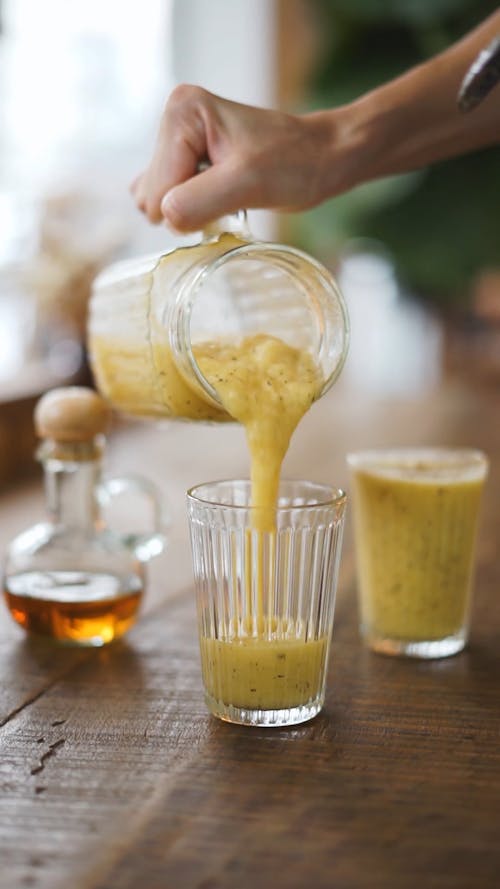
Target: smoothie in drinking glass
(415,519)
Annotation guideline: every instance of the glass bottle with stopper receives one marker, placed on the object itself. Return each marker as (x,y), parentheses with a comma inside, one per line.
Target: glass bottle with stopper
(71,578)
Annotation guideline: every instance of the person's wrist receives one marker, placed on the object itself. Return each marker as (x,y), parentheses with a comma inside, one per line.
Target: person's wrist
(374,128)
(348,141)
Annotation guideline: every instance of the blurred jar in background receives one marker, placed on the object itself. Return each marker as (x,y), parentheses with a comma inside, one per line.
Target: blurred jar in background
(396,343)
(52,251)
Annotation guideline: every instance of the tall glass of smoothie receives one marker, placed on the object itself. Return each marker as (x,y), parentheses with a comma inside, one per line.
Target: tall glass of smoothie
(265,595)
(415,521)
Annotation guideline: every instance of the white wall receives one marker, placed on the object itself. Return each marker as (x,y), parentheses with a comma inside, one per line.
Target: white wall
(83,84)
(228,47)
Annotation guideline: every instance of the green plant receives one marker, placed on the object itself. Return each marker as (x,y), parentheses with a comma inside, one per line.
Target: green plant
(441,223)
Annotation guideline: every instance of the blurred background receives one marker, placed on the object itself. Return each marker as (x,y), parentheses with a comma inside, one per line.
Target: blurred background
(82,85)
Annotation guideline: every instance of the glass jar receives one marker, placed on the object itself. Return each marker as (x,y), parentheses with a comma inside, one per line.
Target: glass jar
(148,315)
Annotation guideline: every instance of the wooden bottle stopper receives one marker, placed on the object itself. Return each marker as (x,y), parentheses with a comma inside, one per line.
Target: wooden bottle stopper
(72,414)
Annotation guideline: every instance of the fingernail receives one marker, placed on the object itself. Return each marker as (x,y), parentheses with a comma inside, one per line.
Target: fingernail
(165,203)
(168,210)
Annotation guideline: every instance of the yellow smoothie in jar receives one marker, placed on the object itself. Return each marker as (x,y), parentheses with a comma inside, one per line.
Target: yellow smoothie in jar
(415,518)
(267,386)
(128,343)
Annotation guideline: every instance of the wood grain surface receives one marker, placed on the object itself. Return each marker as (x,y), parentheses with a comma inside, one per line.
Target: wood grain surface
(114,776)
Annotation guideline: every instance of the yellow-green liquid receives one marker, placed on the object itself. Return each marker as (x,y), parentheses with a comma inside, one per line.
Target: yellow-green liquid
(267,386)
(415,539)
(261,674)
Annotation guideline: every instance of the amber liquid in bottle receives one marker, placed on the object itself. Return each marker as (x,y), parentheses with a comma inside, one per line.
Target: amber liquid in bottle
(70,578)
(77,608)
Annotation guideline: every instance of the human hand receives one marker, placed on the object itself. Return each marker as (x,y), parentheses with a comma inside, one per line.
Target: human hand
(258,157)
(269,159)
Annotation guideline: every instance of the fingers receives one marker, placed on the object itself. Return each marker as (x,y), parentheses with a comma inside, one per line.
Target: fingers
(138,193)
(181,143)
(260,158)
(221,189)
(174,162)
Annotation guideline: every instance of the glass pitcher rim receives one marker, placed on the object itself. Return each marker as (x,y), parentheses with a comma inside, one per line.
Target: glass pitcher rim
(187,291)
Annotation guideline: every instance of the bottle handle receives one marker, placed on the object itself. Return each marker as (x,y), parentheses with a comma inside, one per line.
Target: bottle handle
(145,545)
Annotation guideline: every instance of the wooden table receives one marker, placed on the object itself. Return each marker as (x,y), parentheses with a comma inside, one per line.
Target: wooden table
(112,774)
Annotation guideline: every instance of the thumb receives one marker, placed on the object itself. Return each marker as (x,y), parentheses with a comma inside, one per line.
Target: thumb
(221,189)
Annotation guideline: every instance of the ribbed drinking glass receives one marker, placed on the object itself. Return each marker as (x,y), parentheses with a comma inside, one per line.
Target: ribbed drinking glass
(265,598)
